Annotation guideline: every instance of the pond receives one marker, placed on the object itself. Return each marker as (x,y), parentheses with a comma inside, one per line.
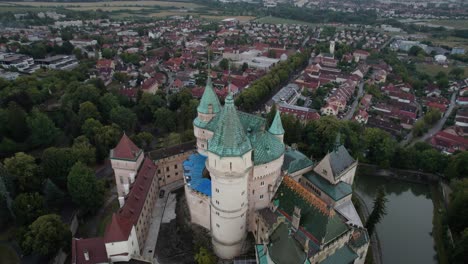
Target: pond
(405,232)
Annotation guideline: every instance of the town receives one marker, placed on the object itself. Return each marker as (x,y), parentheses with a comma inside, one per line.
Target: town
(233,131)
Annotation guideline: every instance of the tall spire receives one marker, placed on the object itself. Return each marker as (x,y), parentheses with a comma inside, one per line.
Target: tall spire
(337,141)
(276,127)
(229,78)
(209,103)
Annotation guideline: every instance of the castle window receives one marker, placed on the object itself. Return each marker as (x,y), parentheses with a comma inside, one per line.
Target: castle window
(217,190)
(253,191)
(262,183)
(168,176)
(217,202)
(324,171)
(261,196)
(167,168)
(230,165)
(242,227)
(217,225)
(203,145)
(242,205)
(176,174)
(175,166)
(121,180)
(243,192)
(217,213)
(159,171)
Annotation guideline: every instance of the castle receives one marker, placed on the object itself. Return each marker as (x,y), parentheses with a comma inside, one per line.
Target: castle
(242,178)
(245,179)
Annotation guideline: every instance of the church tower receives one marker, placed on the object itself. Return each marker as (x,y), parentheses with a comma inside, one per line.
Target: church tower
(276,127)
(229,163)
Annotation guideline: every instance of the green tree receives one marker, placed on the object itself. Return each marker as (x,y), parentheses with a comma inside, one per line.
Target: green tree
(378,212)
(85,190)
(106,103)
(16,123)
(83,150)
(432,116)
(203,256)
(108,53)
(53,196)
(458,166)
(43,130)
(25,170)
(124,118)
(457,73)
(46,236)
(419,128)
(460,254)
(106,138)
(458,211)
(164,119)
(27,207)
(379,146)
(224,64)
(143,139)
(245,66)
(88,110)
(90,128)
(56,164)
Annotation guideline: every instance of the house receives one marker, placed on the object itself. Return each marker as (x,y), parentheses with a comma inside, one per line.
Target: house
(150,85)
(362,116)
(329,109)
(304,114)
(177,85)
(449,142)
(462,100)
(360,55)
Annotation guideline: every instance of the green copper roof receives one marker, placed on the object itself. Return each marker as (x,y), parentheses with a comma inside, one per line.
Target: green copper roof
(340,160)
(209,98)
(343,255)
(336,192)
(323,227)
(283,248)
(294,161)
(262,257)
(266,147)
(276,127)
(229,137)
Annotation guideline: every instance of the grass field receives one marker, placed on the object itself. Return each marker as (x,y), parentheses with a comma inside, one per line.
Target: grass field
(110,4)
(450,42)
(218,18)
(433,69)
(456,24)
(8,255)
(277,20)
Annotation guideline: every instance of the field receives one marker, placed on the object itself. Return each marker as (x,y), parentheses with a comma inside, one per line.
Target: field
(217,18)
(114,4)
(433,69)
(277,20)
(456,24)
(450,42)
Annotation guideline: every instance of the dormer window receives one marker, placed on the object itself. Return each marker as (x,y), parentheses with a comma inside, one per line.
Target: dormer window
(210,109)
(324,171)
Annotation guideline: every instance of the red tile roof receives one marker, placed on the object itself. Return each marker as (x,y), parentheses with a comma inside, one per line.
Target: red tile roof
(94,247)
(126,149)
(122,221)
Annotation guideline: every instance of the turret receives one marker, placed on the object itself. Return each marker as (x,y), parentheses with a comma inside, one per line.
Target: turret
(229,162)
(276,127)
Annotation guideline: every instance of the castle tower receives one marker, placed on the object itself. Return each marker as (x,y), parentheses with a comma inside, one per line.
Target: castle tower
(229,163)
(207,109)
(276,127)
(332,47)
(125,158)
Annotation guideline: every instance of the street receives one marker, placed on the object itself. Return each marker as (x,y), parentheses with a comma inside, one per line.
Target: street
(350,112)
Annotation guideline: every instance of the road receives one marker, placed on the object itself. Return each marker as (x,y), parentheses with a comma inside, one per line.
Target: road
(350,113)
(437,127)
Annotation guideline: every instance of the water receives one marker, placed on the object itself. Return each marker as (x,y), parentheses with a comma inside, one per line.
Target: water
(404,233)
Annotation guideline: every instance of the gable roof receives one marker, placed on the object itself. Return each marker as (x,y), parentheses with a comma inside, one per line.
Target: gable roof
(118,230)
(125,149)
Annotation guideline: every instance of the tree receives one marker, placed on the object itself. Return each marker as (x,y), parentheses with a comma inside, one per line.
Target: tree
(419,128)
(458,166)
(16,123)
(46,236)
(204,256)
(224,64)
(83,150)
(90,128)
(164,119)
(56,164)
(88,110)
(143,139)
(106,103)
(85,190)
(457,73)
(53,196)
(432,116)
(245,66)
(458,211)
(27,207)
(124,118)
(378,212)
(43,130)
(108,53)
(106,138)
(460,254)
(25,170)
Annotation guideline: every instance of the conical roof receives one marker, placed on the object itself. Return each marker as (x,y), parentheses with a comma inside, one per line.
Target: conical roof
(209,98)
(276,127)
(229,138)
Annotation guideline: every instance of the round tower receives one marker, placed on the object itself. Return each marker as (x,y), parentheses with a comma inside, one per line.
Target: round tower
(276,127)
(229,163)
(207,109)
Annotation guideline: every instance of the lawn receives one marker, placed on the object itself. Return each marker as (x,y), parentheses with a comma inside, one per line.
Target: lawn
(433,69)
(122,4)
(454,23)
(277,20)
(218,18)
(450,42)
(107,217)
(8,255)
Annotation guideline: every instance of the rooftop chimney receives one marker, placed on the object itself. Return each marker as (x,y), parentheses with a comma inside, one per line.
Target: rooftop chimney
(296,218)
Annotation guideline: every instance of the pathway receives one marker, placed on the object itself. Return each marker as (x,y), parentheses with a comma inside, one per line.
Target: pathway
(158,212)
(351,111)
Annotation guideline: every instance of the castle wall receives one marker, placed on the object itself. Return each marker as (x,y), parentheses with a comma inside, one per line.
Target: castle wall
(170,169)
(330,248)
(144,220)
(115,250)
(202,136)
(199,207)
(348,176)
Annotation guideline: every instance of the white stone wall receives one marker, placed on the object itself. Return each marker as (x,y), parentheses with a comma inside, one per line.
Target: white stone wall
(348,175)
(199,207)
(202,136)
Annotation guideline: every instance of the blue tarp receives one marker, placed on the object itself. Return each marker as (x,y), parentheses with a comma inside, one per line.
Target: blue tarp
(193,171)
